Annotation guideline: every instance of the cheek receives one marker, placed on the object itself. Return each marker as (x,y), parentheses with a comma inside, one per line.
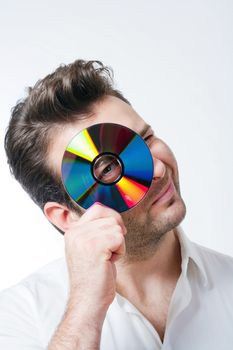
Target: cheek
(160,150)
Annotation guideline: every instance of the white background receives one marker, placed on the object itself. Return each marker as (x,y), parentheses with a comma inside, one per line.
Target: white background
(172,60)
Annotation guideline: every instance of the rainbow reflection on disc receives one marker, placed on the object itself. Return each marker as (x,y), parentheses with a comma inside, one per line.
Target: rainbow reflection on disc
(107,163)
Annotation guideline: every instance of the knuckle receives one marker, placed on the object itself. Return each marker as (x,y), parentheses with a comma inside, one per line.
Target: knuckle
(117,228)
(118,216)
(118,237)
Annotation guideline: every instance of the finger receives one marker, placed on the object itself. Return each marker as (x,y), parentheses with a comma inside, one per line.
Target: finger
(102,224)
(103,248)
(97,211)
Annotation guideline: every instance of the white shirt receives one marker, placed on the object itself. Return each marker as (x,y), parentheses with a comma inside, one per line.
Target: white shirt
(200,315)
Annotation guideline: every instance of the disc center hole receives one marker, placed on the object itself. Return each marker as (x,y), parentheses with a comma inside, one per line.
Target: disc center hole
(107,169)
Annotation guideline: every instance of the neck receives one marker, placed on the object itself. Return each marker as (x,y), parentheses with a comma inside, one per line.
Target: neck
(163,267)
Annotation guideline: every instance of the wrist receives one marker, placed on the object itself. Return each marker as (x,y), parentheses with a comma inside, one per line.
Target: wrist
(88,314)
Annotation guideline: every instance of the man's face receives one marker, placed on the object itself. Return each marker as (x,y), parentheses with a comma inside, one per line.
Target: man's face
(148,221)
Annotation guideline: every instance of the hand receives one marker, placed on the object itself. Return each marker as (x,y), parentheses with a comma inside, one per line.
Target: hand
(92,245)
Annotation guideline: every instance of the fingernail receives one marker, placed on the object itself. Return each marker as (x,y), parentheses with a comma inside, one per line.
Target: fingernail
(98,203)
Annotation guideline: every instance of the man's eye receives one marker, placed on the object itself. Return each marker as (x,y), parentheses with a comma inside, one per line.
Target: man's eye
(147,138)
(109,168)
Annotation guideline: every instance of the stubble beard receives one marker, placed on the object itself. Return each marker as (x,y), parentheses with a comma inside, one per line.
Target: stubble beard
(145,231)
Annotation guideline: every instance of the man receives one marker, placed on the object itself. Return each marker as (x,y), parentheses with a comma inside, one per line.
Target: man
(129,281)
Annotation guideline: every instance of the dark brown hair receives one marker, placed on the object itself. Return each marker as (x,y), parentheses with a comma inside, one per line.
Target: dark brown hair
(62,97)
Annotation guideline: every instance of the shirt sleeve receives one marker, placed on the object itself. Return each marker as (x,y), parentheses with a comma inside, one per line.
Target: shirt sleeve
(19,324)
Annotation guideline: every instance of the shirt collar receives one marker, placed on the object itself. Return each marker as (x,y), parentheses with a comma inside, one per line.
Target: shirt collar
(190,251)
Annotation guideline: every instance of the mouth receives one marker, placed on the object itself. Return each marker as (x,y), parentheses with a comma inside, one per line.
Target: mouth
(165,194)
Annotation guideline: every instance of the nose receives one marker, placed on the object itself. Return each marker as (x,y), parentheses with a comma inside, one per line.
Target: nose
(159,168)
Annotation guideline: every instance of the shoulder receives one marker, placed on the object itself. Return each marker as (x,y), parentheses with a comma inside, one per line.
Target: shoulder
(218,266)
(39,285)
(31,309)
(214,256)
(55,272)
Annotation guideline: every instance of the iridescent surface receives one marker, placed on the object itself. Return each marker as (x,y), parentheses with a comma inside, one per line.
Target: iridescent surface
(79,158)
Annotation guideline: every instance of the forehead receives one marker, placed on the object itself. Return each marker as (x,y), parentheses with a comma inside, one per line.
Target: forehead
(110,110)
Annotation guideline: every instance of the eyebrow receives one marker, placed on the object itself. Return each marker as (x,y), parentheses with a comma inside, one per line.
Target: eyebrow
(144,130)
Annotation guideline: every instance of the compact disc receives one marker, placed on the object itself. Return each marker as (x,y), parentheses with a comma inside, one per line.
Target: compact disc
(107,163)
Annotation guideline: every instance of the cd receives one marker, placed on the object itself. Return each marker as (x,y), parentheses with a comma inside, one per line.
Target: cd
(107,163)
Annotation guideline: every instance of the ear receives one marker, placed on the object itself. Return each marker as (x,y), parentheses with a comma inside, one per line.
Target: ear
(59,215)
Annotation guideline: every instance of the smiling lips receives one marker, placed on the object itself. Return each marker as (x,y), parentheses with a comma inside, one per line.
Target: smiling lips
(166,193)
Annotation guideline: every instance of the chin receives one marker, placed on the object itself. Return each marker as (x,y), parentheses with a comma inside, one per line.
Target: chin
(169,215)
(147,227)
